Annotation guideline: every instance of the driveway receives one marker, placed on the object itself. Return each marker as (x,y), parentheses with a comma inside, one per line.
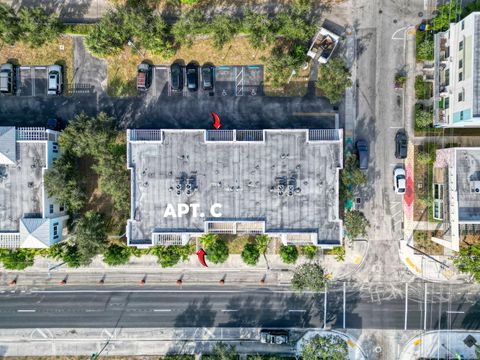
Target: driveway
(240,112)
(90,73)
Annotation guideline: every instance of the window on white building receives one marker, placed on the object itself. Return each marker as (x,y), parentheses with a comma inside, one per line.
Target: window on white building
(460,46)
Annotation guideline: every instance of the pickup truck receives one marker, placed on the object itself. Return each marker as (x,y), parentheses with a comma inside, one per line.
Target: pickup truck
(144,77)
(323,46)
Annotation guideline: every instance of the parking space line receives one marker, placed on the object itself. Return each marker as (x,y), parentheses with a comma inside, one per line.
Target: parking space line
(32,77)
(406,305)
(160,67)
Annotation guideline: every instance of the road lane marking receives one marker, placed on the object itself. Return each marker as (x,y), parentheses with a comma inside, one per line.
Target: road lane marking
(92,310)
(425,310)
(455,312)
(406,304)
(297,310)
(26,310)
(344,302)
(229,310)
(162,310)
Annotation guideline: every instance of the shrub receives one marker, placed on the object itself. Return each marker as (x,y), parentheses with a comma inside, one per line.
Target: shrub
(17,259)
(90,236)
(250,254)
(356,224)
(423,118)
(289,254)
(333,80)
(339,253)
(36,27)
(68,253)
(262,241)
(217,251)
(189,25)
(331,347)
(310,277)
(425,49)
(117,255)
(170,255)
(9,29)
(310,251)
(423,90)
(260,29)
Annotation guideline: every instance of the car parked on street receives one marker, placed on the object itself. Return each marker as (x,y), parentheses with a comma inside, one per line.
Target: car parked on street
(362,150)
(144,76)
(176,77)
(192,77)
(7,79)
(401,145)
(55,80)
(277,337)
(399,180)
(207,77)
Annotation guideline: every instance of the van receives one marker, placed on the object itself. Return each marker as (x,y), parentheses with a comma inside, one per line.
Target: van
(55,81)
(362,150)
(7,79)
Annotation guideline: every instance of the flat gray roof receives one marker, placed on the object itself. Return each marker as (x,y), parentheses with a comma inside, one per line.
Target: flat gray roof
(21,185)
(242,177)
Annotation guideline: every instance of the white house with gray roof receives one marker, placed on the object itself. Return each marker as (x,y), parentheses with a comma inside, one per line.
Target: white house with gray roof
(457,74)
(186,183)
(29,218)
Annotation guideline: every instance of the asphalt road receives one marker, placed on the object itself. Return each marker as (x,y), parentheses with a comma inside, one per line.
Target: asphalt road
(447,307)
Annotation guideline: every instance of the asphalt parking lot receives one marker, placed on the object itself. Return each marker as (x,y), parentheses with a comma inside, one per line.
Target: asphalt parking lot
(32,81)
(229,81)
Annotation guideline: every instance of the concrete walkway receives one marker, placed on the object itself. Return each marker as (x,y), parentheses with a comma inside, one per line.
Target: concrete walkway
(48,272)
(442,344)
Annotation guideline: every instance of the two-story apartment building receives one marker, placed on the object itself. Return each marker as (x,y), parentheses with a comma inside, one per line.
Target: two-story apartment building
(186,183)
(457,74)
(29,218)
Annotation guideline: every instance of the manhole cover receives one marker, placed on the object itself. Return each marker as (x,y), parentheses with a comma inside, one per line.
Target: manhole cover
(377,350)
(420,14)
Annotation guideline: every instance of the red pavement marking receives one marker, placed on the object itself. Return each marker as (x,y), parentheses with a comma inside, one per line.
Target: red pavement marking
(408,197)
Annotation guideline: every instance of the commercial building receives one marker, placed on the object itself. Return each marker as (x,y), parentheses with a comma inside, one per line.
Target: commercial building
(186,183)
(28,217)
(456,193)
(457,74)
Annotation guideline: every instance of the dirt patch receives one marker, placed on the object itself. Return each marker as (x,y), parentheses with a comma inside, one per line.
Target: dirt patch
(469,240)
(59,51)
(236,243)
(422,241)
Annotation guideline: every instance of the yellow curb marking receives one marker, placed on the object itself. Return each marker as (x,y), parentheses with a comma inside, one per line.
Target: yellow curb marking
(417,342)
(357,260)
(411,32)
(415,267)
(351,343)
(328,276)
(448,274)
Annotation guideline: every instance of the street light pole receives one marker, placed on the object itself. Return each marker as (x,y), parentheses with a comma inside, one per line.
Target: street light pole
(131,44)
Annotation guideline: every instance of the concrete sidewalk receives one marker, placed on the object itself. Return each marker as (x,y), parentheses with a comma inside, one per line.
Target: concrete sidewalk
(443,344)
(155,341)
(48,272)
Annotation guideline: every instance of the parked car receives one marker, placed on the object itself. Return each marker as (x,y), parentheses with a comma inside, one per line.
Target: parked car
(176,77)
(277,337)
(192,77)
(7,79)
(144,76)
(55,124)
(55,80)
(323,45)
(207,77)
(401,145)
(362,150)
(399,180)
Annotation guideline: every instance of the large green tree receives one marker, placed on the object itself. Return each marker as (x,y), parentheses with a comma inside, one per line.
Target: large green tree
(356,224)
(330,347)
(117,255)
(289,254)
(250,254)
(36,27)
(468,261)
(333,79)
(260,28)
(309,277)
(9,29)
(446,14)
(170,255)
(189,25)
(90,236)
(17,259)
(223,29)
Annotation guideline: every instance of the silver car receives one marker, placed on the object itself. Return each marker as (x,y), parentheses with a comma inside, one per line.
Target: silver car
(55,80)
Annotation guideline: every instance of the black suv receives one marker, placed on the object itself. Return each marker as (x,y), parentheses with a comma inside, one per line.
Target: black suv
(192,77)
(401,145)
(176,77)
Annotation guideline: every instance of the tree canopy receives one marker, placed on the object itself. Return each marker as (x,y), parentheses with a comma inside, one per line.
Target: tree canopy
(309,277)
(330,347)
(289,254)
(333,79)
(216,248)
(356,224)
(250,254)
(170,255)
(468,261)
(36,27)
(222,351)
(117,255)
(90,236)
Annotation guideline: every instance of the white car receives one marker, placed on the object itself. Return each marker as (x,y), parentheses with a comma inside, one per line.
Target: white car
(55,80)
(399,180)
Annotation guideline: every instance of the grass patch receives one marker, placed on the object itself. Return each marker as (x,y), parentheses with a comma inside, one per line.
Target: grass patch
(422,241)
(423,180)
(236,243)
(78,29)
(48,54)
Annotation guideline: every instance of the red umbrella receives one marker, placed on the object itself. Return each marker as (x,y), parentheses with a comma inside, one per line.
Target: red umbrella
(201,256)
